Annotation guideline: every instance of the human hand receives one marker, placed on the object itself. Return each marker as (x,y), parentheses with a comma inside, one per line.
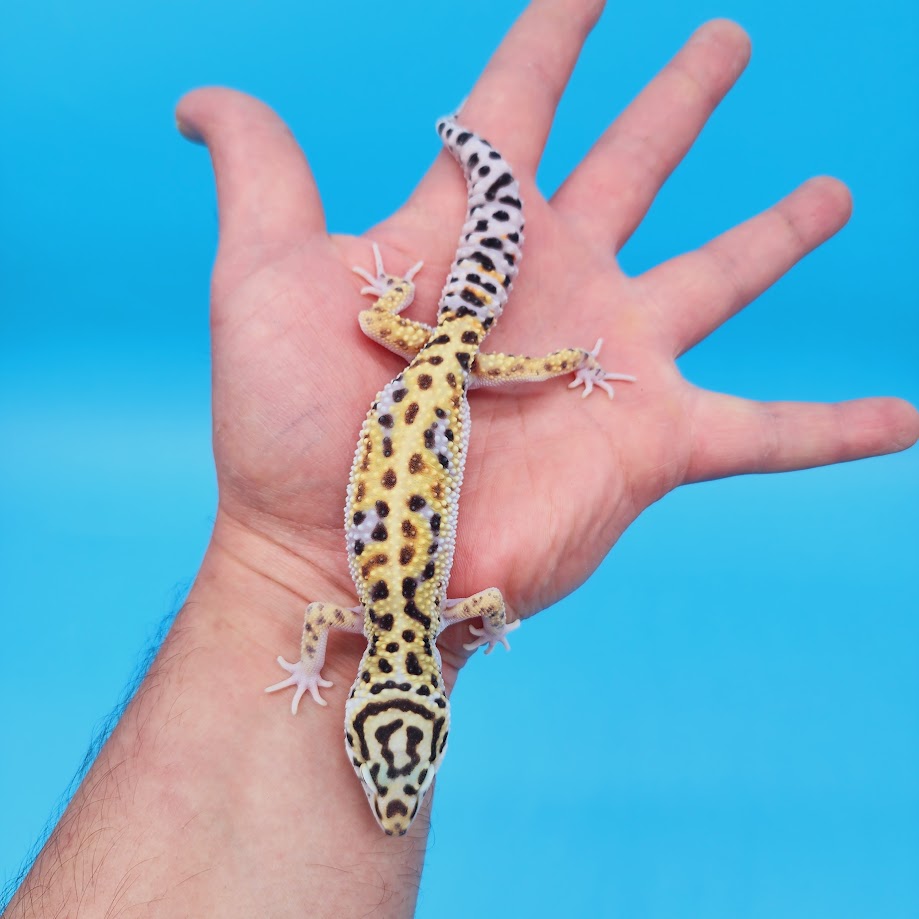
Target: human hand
(551,482)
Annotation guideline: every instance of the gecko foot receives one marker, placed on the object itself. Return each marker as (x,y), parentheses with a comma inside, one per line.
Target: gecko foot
(592,374)
(491,636)
(304,678)
(382,283)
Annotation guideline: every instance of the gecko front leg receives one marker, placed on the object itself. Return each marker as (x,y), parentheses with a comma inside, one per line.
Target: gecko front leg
(305,674)
(489,604)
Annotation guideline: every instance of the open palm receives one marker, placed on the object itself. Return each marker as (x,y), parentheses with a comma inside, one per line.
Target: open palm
(551,481)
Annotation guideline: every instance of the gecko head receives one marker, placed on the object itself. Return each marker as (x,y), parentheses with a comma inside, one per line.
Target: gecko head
(396,740)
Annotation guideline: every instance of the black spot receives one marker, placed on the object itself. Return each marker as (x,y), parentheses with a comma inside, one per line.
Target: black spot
(440,703)
(433,548)
(411,412)
(389,479)
(406,554)
(382,508)
(396,809)
(358,547)
(409,790)
(376,688)
(386,622)
(462,138)
(386,421)
(484,171)
(492,242)
(442,459)
(387,446)
(428,572)
(415,464)
(481,226)
(416,502)
(434,361)
(408,635)
(483,260)
(365,676)
(425,381)
(494,155)
(409,586)
(464,311)
(379,591)
(440,413)
(501,215)
(463,359)
(473,161)
(392,647)
(424,691)
(510,259)
(472,297)
(513,202)
(490,287)
(448,434)
(470,337)
(441,340)
(399,395)
(504,179)
(385,666)
(513,237)
(434,681)
(412,665)
(379,532)
(359,517)
(488,322)
(435,523)
(390,684)
(411,610)
(451,379)
(408,529)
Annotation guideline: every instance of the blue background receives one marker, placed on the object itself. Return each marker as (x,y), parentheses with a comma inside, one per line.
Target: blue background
(724,721)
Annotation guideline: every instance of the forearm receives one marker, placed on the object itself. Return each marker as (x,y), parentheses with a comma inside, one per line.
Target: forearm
(210,798)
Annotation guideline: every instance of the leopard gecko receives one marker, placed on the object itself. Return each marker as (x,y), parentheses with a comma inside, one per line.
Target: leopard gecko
(403,493)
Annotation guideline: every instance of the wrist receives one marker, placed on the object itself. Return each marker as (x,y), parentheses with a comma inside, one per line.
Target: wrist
(253,588)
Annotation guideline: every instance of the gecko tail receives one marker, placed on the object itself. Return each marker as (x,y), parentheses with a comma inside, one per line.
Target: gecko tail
(488,254)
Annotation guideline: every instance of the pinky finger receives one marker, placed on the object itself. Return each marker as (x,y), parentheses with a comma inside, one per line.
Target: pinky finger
(734,436)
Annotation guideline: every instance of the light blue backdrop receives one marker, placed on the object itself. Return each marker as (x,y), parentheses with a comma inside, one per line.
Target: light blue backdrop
(754,641)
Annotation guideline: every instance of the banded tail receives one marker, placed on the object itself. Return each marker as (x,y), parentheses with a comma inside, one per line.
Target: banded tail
(488,255)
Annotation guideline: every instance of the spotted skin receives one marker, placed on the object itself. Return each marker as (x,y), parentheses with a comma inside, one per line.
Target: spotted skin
(403,493)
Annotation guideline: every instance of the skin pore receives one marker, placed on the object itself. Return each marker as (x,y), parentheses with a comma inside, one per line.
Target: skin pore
(209,799)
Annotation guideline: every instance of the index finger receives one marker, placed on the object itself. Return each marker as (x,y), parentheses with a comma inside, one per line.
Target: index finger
(514,101)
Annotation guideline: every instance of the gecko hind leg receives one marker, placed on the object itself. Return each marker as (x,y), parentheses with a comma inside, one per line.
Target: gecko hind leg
(489,604)
(494,369)
(591,374)
(305,674)
(382,322)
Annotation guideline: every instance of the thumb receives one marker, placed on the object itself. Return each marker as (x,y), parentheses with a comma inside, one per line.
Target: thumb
(266,194)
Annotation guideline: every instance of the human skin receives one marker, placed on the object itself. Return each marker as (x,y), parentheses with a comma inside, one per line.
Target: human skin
(209,798)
